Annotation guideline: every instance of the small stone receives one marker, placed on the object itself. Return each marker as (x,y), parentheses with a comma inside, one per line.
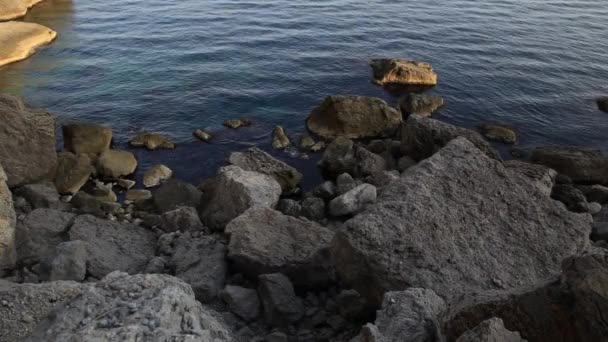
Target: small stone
(156,175)
(499,133)
(318,146)
(203,135)
(237,123)
(126,183)
(313,208)
(152,141)
(290,207)
(594,208)
(242,302)
(138,195)
(280,140)
(306,142)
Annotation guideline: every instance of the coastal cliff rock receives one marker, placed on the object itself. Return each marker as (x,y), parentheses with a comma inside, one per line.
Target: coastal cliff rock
(489,230)
(13,9)
(353,117)
(582,165)
(402,71)
(19,40)
(27,142)
(7,226)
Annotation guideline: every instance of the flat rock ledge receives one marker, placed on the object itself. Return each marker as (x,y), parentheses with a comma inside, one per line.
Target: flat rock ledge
(20,40)
(13,9)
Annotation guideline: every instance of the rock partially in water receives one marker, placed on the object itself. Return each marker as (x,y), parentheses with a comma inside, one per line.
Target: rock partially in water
(203,135)
(27,138)
(280,140)
(237,123)
(344,156)
(499,133)
(306,142)
(156,175)
(73,171)
(582,165)
(353,117)
(402,71)
(420,104)
(8,222)
(113,164)
(602,104)
(12,9)
(254,159)
(152,141)
(19,40)
(86,138)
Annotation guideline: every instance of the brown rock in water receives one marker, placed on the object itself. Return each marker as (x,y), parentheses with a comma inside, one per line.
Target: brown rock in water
(237,123)
(19,40)
(280,140)
(156,175)
(72,172)
(13,9)
(27,142)
(114,164)
(203,135)
(152,141)
(602,104)
(353,117)
(86,138)
(582,165)
(402,71)
(420,104)
(498,133)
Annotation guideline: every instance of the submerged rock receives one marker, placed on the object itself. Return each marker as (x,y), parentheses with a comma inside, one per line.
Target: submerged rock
(237,123)
(19,40)
(27,138)
(156,175)
(72,172)
(582,165)
(402,71)
(152,141)
(86,138)
(203,135)
(113,164)
(461,202)
(420,104)
(499,133)
(602,104)
(8,221)
(353,117)
(280,140)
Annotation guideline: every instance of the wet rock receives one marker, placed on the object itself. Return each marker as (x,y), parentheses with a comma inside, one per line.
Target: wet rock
(138,195)
(174,194)
(113,246)
(120,307)
(580,164)
(573,198)
(306,142)
(41,195)
(602,104)
(457,192)
(27,138)
(242,302)
(402,71)
(313,208)
(232,192)
(237,123)
(422,137)
(280,140)
(353,201)
(72,172)
(290,207)
(203,135)
(40,232)
(281,305)
(263,240)
(68,262)
(490,330)
(156,175)
(8,221)
(420,104)
(152,141)
(254,159)
(353,117)
(499,133)
(200,261)
(184,219)
(113,164)
(86,138)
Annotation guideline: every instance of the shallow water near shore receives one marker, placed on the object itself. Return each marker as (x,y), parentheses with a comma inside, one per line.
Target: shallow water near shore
(173,67)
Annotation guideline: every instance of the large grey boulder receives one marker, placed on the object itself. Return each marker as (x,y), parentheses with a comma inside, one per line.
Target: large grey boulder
(254,159)
(421,137)
(232,192)
(488,230)
(582,165)
(68,262)
(113,246)
(121,307)
(491,330)
(27,142)
(8,221)
(541,178)
(263,240)
(353,117)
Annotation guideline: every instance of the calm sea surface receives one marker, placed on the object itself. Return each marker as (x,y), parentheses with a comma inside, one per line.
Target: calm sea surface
(174,66)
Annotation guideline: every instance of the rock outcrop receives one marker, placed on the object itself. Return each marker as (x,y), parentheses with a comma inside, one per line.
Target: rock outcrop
(582,165)
(353,117)
(27,140)
(489,230)
(20,40)
(402,71)
(8,221)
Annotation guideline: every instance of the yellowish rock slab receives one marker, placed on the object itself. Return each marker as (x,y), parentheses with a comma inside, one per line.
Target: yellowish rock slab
(12,9)
(19,40)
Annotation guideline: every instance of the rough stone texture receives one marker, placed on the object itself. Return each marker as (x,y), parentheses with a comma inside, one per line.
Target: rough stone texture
(113,246)
(343,156)
(402,71)
(581,165)
(421,137)
(420,104)
(28,304)
(40,232)
(353,117)
(596,193)
(174,194)
(182,219)
(290,207)
(573,198)
(491,330)
(254,159)
(120,307)
(40,195)
(152,141)
(241,301)
(281,305)
(263,240)
(405,163)
(540,177)
(368,163)
(68,262)
(113,164)
(200,262)
(8,222)
(86,138)
(488,230)
(353,201)
(156,175)
(72,172)
(233,191)
(19,40)
(499,133)
(27,139)
(280,140)
(313,208)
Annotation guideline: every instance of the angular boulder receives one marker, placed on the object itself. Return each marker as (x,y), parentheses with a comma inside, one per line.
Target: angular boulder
(232,192)
(421,137)
(402,71)
(241,301)
(27,137)
(353,117)
(156,175)
(263,240)
(582,165)
(541,177)
(344,156)
(40,195)
(462,203)
(87,138)
(73,171)
(254,159)
(8,222)
(184,219)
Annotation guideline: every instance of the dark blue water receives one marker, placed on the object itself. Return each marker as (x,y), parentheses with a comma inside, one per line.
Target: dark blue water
(174,66)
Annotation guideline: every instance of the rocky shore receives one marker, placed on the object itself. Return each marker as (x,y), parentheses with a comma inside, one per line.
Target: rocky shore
(420,232)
